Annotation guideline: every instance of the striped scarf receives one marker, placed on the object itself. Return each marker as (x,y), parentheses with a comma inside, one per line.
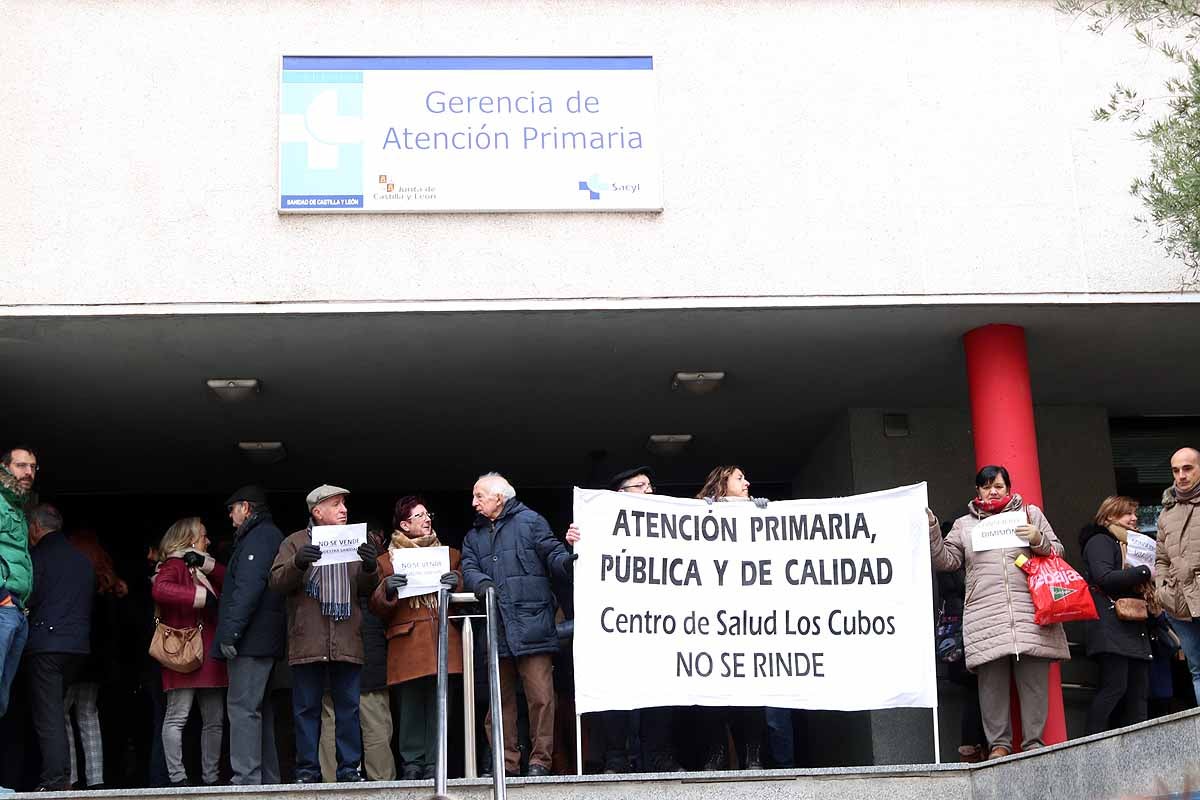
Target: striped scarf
(330,584)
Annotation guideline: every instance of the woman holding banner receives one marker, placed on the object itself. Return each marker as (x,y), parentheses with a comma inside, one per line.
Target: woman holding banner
(1119,643)
(1001,639)
(412,639)
(747,725)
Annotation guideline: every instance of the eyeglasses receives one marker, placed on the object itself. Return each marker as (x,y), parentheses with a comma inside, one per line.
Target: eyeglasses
(635,487)
(423,515)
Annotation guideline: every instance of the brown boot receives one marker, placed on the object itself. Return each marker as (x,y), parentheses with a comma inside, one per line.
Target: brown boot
(970,753)
(999,751)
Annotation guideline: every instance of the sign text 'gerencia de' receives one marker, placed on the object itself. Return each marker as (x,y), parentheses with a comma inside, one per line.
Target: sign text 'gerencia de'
(449,133)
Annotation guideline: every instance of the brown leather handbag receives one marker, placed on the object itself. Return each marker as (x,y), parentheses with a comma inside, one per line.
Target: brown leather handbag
(177,649)
(1131,609)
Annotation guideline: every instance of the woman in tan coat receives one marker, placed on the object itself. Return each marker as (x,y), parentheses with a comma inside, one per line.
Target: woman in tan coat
(1000,637)
(412,638)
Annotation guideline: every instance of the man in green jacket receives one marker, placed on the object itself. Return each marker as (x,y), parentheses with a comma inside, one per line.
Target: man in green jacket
(18,468)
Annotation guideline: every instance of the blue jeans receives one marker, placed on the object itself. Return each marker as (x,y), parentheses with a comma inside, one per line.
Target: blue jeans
(1189,636)
(309,682)
(14,630)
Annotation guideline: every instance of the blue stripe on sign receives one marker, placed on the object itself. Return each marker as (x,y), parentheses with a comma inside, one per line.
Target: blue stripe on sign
(329,76)
(469,62)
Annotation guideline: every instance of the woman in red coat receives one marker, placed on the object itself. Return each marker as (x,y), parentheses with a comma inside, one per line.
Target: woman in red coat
(187,585)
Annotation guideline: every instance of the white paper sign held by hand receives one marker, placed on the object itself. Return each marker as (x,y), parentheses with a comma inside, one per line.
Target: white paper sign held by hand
(339,543)
(1139,550)
(424,567)
(999,531)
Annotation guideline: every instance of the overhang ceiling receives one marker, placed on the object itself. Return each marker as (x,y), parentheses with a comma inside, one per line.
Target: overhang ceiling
(379,400)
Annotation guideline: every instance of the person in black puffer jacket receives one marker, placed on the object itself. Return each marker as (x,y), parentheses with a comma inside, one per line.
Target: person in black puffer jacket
(1120,647)
(512,548)
(250,636)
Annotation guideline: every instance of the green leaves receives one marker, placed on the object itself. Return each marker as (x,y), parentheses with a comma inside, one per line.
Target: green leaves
(1171,192)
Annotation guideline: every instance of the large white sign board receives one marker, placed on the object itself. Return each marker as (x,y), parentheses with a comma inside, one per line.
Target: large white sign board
(821,604)
(449,133)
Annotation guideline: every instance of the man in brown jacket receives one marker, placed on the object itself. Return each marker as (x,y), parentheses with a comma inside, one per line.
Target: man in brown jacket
(325,648)
(1177,556)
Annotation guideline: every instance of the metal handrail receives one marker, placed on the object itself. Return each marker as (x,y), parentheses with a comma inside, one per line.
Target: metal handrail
(445,599)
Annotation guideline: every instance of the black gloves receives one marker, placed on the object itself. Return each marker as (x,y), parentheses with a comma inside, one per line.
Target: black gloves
(368,553)
(229,651)
(394,583)
(193,559)
(449,580)
(481,591)
(307,556)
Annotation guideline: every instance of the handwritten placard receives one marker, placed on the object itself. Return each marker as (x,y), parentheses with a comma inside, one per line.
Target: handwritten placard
(1139,550)
(339,543)
(999,531)
(424,566)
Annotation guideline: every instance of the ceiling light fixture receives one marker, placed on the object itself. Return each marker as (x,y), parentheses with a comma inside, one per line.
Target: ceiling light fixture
(263,452)
(232,390)
(668,444)
(697,382)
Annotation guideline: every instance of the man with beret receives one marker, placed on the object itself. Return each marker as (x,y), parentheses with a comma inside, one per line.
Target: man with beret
(325,646)
(250,629)
(656,723)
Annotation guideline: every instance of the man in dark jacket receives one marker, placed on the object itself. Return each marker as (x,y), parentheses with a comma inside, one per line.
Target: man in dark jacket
(60,615)
(512,548)
(325,646)
(249,637)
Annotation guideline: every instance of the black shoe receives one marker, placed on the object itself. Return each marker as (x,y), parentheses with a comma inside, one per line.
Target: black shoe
(352,777)
(664,763)
(429,773)
(753,757)
(537,771)
(412,772)
(308,779)
(62,787)
(177,784)
(97,787)
(718,758)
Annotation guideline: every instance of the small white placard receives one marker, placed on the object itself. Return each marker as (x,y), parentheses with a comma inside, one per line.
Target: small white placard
(1139,551)
(339,543)
(424,566)
(999,531)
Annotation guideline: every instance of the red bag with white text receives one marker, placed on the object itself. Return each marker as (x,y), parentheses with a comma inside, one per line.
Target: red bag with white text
(1060,594)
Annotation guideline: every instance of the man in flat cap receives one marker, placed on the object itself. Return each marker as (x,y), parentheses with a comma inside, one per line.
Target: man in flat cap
(325,647)
(250,630)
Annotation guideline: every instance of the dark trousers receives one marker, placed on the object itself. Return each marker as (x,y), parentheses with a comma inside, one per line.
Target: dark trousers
(49,676)
(1124,683)
(416,721)
(309,682)
(657,732)
(615,730)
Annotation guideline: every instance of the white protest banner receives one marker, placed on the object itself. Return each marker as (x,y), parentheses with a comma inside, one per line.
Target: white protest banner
(821,604)
(423,566)
(339,543)
(999,531)
(1139,550)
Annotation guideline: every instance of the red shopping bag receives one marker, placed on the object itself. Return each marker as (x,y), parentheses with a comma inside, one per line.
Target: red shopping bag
(1060,594)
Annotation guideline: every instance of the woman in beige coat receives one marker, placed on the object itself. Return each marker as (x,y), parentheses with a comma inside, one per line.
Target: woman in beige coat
(999,634)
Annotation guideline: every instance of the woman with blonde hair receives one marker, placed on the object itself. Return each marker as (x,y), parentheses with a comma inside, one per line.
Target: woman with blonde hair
(187,585)
(1121,647)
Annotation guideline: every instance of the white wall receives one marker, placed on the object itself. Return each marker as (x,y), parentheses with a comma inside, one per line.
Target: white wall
(811,148)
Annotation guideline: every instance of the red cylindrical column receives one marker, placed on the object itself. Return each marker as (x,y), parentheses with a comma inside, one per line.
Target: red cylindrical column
(1004,432)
